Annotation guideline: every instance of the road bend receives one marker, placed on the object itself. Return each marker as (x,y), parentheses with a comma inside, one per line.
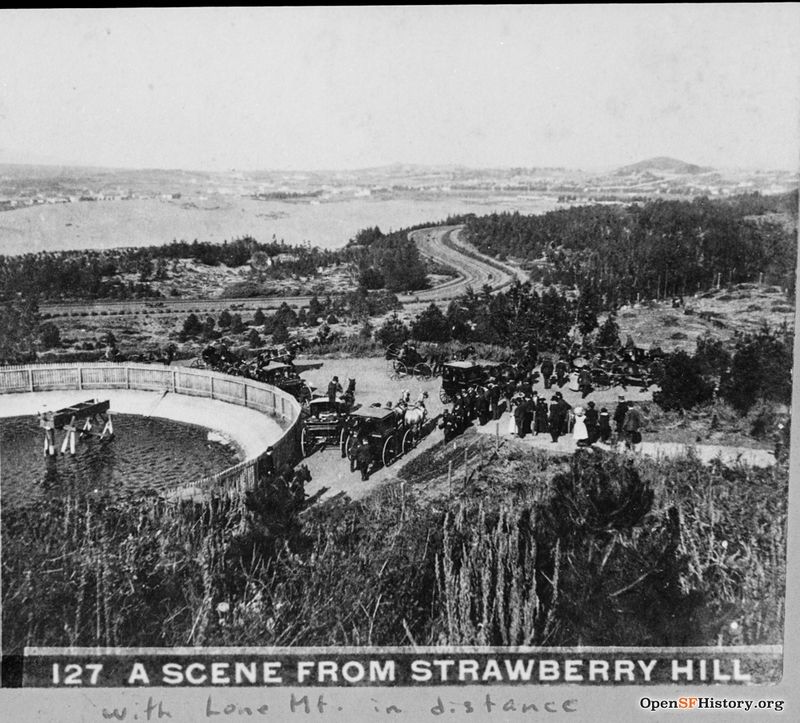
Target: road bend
(442,244)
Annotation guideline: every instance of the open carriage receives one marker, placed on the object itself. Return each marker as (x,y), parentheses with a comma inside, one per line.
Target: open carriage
(383,429)
(405,361)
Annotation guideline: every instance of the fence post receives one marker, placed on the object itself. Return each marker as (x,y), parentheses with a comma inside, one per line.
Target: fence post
(449,478)
(30,379)
(174,380)
(127,377)
(80,378)
(212,387)
(244,392)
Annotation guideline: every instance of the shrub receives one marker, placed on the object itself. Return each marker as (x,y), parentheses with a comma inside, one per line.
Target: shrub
(682,383)
(431,325)
(392,331)
(761,368)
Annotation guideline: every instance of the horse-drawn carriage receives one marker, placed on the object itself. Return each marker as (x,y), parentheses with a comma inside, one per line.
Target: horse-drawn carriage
(284,377)
(405,360)
(325,424)
(458,376)
(384,430)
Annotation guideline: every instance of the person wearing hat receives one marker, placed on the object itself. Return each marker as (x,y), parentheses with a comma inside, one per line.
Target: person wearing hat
(547,373)
(592,422)
(631,425)
(604,425)
(619,415)
(556,417)
(579,432)
(334,388)
(520,413)
(540,419)
(364,459)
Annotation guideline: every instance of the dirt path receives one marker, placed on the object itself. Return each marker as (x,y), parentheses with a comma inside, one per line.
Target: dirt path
(373,384)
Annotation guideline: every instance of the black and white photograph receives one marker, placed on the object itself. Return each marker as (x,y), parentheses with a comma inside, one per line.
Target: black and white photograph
(397,362)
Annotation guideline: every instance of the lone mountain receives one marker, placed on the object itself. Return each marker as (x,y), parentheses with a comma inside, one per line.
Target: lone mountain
(662,164)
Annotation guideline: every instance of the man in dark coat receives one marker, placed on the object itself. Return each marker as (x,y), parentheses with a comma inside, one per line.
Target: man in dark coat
(364,458)
(584,382)
(494,400)
(482,406)
(547,373)
(519,417)
(448,424)
(541,420)
(619,415)
(631,425)
(562,372)
(604,425)
(556,418)
(334,388)
(592,422)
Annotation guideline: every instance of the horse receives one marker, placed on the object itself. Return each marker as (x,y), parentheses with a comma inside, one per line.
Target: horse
(416,414)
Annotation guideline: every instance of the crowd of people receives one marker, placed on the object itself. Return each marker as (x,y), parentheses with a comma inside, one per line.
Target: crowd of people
(532,413)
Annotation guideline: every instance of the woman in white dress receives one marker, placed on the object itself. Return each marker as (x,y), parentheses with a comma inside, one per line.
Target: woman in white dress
(579,432)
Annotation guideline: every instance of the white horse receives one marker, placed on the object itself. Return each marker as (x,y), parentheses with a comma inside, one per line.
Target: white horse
(416,414)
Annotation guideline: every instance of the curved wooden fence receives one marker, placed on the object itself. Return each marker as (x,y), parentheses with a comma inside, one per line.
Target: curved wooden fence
(178,380)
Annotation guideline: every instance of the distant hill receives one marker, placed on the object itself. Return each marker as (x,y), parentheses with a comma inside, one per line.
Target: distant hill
(662,164)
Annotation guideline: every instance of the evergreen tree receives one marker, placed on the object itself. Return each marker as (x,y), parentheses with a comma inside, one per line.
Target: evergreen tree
(392,331)
(431,325)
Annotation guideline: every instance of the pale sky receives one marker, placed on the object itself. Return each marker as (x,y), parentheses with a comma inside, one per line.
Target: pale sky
(328,88)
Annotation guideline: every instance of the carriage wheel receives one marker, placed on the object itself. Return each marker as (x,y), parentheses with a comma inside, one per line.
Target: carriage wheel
(444,397)
(400,369)
(389,452)
(408,441)
(423,370)
(343,442)
(351,441)
(601,379)
(305,442)
(197,363)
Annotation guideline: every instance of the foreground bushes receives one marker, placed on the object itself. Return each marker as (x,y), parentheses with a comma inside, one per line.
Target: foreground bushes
(591,550)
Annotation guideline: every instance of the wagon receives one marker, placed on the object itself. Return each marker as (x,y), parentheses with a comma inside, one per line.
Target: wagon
(406,360)
(325,425)
(286,378)
(383,429)
(458,376)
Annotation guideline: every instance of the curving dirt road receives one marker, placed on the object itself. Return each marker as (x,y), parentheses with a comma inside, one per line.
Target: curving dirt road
(441,244)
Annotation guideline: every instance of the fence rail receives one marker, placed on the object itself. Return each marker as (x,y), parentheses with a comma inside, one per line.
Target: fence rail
(178,380)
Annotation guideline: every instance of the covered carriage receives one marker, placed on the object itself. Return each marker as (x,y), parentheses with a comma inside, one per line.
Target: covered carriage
(286,378)
(458,376)
(383,429)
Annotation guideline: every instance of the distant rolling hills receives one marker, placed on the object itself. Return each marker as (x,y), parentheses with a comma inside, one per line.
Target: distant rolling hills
(662,164)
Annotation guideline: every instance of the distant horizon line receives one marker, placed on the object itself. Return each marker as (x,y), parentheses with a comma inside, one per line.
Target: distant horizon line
(397,164)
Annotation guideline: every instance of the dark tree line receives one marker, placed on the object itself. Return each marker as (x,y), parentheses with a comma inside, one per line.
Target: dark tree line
(513,318)
(657,249)
(97,274)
